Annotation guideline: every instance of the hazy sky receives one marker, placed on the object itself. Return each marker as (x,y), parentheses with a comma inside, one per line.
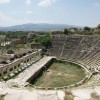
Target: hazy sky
(72,12)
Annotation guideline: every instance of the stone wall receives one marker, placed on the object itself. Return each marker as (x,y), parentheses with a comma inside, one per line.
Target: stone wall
(41,71)
(36,46)
(19,63)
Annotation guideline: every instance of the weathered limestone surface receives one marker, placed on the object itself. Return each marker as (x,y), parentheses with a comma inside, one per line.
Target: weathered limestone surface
(92,93)
(15,94)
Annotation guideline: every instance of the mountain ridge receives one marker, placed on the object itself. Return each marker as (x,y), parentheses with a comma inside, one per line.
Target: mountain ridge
(36,27)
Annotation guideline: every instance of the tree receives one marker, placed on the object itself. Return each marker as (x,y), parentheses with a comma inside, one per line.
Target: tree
(66,31)
(98,26)
(86,28)
(44,40)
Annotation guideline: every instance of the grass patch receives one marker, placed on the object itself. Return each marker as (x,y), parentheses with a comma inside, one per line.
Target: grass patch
(60,74)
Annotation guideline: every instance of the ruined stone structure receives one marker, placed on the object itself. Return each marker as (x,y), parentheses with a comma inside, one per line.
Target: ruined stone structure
(19,64)
(81,49)
(19,40)
(15,41)
(57,33)
(2,39)
(23,39)
(31,36)
(36,45)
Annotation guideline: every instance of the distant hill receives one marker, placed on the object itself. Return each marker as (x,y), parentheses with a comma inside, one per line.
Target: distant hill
(36,27)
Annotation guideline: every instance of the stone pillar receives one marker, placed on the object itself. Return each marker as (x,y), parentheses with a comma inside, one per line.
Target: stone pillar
(26,62)
(1,72)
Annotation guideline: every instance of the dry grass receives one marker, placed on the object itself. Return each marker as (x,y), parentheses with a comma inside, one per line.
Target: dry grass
(61,74)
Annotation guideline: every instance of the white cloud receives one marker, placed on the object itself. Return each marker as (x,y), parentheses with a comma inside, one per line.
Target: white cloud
(4,1)
(46,3)
(29,12)
(6,20)
(28,2)
(97,4)
(3,16)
